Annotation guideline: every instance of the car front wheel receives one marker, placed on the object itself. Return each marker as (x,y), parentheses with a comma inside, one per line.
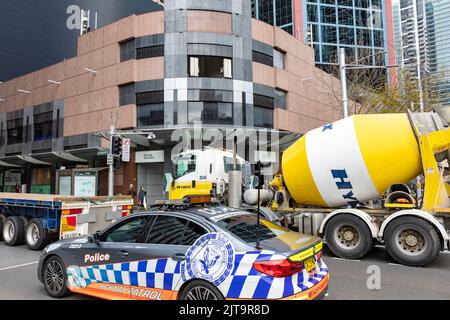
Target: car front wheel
(55,278)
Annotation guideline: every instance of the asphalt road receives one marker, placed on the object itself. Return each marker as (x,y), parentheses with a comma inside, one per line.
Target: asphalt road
(18,280)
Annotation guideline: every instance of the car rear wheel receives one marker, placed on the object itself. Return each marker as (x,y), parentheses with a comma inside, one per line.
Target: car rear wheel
(13,231)
(35,236)
(200,290)
(55,278)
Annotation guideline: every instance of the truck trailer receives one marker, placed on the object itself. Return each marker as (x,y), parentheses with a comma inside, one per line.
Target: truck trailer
(38,220)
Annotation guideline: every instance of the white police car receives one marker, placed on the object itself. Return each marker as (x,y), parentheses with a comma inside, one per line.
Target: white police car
(189,253)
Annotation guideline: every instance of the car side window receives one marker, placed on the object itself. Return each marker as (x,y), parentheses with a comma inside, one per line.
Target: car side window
(192,233)
(167,230)
(130,231)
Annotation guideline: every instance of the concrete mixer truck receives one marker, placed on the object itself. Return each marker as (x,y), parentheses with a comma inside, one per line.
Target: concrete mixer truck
(331,176)
(348,182)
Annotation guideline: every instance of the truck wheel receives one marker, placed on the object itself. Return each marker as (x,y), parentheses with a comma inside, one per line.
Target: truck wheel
(35,235)
(348,237)
(13,231)
(55,278)
(2,221)
(412,241)
(200,290)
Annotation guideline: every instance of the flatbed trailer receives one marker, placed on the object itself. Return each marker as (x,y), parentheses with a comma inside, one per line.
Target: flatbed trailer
(37,219)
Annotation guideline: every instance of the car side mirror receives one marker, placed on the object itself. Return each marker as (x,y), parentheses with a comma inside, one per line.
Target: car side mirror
(94,238)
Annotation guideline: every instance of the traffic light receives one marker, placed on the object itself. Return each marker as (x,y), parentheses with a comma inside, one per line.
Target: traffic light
(116,146)
(116,163)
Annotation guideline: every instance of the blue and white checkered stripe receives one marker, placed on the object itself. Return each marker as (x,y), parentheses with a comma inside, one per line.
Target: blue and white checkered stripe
(244,281)
(159,274)
(247,283)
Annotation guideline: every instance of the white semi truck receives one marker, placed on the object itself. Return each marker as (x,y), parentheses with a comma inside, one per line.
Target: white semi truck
(347,182)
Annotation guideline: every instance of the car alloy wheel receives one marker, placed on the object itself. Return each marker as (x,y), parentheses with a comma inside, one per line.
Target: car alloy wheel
(200,293)
(54,277)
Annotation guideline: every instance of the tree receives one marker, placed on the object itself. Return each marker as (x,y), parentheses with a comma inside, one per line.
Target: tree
(369,91)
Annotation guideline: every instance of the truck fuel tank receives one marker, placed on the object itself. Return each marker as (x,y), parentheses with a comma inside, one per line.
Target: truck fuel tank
(352,160)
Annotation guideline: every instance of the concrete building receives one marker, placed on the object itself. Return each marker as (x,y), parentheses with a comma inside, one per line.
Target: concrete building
(363,27)
(42,33)
(204,62)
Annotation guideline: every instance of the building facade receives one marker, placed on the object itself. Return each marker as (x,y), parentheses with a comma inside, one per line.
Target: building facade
(438,24)
(42,33)
(363,27)
(203,63)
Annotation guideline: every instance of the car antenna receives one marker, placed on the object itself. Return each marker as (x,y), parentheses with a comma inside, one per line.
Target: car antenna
(258,187)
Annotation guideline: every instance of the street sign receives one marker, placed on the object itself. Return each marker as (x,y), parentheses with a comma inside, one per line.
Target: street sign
(126,150)
(110,160)
(102,152)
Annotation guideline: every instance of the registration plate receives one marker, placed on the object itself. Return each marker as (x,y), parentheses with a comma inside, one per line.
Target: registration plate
(310,264)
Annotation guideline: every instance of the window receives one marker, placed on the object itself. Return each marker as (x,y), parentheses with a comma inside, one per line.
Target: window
(192,233)
(262,58)
(329,54)
(43,126)
(283,12)
(345,16)
(184,164)
(328,14)
(150,115)
(149,52)
(263,117)
(132,230)
(347,36)
(149,97)
(210,112)
(364,37)
(278,59)
(14,131)
(245,228)
(280,99)
(348,3)
(127,94)
(329,34)
(128,50)
(167,230)
(312,13)
(210,67)
(362,18)
(263,101)
(378,38)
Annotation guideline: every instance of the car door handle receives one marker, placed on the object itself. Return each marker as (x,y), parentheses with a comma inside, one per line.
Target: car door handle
(179,257)
(123,254)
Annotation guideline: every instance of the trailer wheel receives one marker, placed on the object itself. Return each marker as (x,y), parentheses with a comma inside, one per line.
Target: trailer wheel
(412,241)
(35,235)
(2,221)
(13,231)
(348,237)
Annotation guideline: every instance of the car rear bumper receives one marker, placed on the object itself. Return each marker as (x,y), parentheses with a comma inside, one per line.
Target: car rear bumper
(317,292)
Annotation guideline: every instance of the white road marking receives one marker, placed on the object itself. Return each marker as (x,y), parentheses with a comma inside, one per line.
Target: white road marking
(395,264)
(19,266)
(341,259)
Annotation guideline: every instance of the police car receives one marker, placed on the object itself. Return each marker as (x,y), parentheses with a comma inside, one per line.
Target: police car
(201,252)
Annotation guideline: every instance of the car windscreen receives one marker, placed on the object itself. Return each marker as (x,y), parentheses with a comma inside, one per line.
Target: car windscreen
(245,228)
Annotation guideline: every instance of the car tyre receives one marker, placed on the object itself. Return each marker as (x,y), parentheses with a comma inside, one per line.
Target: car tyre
(412,241)
(2,221)
(35,235)
(348,237)
(54,277)
(200,290)
(13,231)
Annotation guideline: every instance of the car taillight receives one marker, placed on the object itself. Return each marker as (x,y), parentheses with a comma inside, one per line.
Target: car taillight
(278,268)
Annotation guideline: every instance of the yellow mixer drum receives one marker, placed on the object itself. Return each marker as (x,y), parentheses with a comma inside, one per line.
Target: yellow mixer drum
(352,160)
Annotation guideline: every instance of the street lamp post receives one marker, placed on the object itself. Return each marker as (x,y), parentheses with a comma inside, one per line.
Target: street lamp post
(342,68)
